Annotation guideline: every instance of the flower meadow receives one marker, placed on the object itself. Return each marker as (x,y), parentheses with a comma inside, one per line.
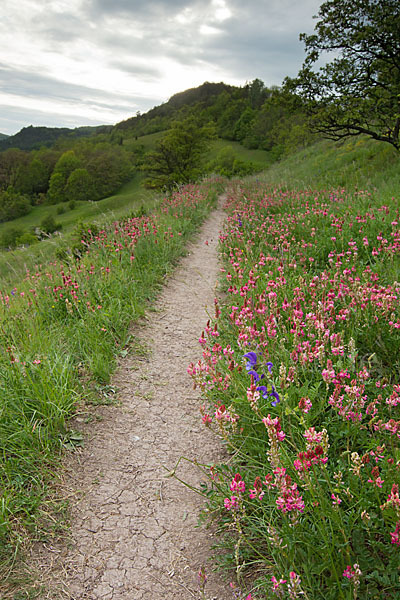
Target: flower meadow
(62,329)
(300,379)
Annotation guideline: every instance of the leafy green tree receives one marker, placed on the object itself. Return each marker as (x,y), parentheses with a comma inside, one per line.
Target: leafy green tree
(358,91)
(10,163)
(66,164)
(79,186)
(256,93)
(244,124)
(13,205)
(108,166)
(179,156)
(57,186)
(227,120)
(32,179)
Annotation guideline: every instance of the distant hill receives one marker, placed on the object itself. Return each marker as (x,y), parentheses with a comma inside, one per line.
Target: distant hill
(30,138)
(159,118)
(3,136)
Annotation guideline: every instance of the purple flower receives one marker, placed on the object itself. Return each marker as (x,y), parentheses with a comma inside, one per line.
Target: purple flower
(275,394)
(256,376)
(251,366)
(266,393)
(252,360)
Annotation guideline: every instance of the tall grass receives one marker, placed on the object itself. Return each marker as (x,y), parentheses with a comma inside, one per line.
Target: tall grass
(130,197)
(61,328)
(300,374)
(356,164)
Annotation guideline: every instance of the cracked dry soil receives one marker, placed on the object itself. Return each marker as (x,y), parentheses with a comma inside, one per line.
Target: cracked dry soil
(134,534)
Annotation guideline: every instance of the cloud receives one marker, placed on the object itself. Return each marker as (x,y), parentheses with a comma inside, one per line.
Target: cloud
(148,72)
(105,57)
(25,116)
(32,85)
(142,11)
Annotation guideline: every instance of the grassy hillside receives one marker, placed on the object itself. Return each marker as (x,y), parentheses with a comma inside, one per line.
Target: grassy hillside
(84,211)
(303,382)
(131,197)
(85,306)
(88,336)
(358,163)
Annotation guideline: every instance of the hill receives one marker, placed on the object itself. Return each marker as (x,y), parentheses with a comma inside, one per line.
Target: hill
(3,136)
(159,118)
(30,138)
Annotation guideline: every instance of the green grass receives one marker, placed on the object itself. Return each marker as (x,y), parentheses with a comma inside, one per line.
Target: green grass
(149,141)
(132,196)
(258,156)
(358,163)
(82,210)
(60,333)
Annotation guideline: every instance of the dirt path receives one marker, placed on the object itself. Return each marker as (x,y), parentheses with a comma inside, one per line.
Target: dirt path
(134,534)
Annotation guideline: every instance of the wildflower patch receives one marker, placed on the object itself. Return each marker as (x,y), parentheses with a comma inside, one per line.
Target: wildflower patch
(303,388)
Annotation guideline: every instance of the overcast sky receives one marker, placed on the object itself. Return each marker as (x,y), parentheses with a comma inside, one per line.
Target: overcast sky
(90,62)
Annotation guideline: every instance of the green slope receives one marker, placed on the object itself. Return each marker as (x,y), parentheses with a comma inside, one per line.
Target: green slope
(357,163)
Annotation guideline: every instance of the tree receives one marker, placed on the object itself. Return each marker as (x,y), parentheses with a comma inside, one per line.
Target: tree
(257,93)
(13,205)
(108,167)
(33,178)
(66,164)
(358,91)
(57,186)
(79,186)
(10,163)
(244,124)
(179,155)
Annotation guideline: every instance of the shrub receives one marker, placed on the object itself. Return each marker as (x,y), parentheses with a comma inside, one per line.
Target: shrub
(26,239)
(10,235)
(49,225)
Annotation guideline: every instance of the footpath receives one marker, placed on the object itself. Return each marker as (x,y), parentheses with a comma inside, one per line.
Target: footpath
(134,533)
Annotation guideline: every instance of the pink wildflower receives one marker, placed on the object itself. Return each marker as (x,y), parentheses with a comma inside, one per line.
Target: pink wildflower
(237,484)
(275,435)
(232,503)
(348,572)
(328,374)
(377,480)
(206,419)
(312,436)
(256,491)
(289,499)
(395,535)
(393,499)
(276,586)
(305,404)
(294,588)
